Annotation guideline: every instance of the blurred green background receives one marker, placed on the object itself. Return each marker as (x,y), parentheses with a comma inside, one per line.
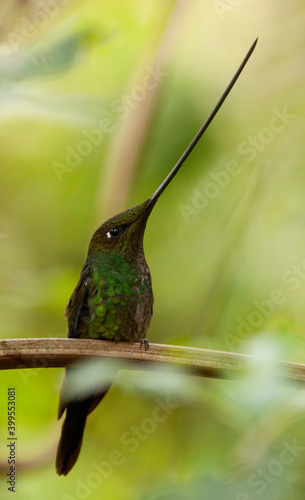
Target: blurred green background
(82,138)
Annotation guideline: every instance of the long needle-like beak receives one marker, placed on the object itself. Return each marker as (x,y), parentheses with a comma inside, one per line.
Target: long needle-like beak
(191,146)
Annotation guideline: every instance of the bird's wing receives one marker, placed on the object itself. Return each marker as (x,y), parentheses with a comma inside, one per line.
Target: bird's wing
(77,311)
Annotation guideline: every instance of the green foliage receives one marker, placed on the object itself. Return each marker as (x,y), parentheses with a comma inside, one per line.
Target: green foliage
(225,243)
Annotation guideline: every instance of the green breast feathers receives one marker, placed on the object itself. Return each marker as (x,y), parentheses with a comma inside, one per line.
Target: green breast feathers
(112,301)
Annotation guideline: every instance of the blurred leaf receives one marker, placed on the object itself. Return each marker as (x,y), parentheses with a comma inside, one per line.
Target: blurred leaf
(87,377)
(20,68)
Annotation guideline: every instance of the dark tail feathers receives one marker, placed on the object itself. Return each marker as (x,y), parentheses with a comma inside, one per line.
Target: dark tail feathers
(72,432)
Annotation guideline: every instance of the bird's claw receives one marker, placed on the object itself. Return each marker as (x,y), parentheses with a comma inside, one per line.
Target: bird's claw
(145,342)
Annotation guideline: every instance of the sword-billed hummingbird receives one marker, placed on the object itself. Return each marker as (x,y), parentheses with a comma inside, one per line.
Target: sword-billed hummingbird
(113,299)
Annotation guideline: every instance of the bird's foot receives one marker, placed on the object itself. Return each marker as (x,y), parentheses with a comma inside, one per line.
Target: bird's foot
(145,342)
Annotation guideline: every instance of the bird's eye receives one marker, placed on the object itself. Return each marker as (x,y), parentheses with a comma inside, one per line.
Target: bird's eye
(114,232)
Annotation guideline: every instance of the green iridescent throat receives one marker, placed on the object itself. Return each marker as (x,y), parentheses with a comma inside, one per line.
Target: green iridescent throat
(114,289)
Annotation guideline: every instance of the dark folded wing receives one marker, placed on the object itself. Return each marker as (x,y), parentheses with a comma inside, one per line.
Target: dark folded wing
(77,311)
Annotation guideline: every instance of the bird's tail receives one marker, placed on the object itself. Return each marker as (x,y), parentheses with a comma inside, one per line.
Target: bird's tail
(73,428)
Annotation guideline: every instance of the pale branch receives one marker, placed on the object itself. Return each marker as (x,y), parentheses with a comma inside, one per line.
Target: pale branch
(57,352)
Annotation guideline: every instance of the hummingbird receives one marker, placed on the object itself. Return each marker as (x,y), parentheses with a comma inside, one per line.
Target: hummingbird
(113,299)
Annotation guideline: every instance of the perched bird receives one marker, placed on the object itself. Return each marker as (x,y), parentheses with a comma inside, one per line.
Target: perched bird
(113,299)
